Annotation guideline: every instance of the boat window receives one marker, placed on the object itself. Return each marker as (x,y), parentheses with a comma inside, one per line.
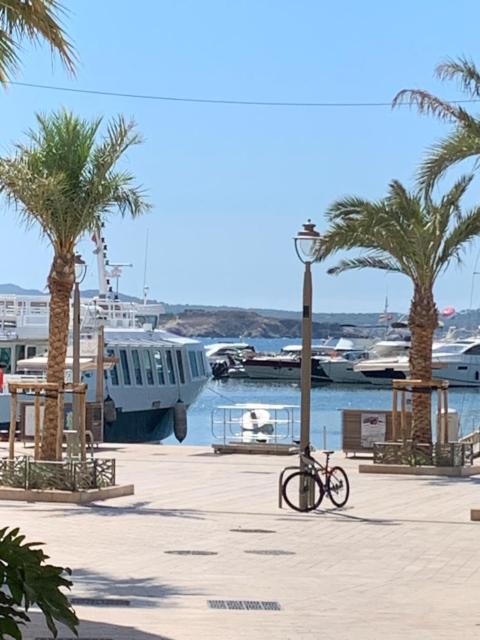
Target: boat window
(113,370)
(125,370)
(474,351)
(171,372)
(19,352)
(6,359)
(193,364)
(147,363)
(31,351)
(136,367)
(448,348)
(201,363)
(157,356)
(180,366)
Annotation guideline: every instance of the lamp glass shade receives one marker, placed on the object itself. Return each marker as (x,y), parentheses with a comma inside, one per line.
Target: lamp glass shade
(306,242)
(80,269)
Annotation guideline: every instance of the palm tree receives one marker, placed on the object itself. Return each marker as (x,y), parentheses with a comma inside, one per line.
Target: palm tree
(464,140)
(34,21)
(406,233)
(65,181)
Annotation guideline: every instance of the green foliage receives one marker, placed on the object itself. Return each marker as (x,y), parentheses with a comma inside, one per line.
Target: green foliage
(66,181)
(26,580)
(34,21)
(404,232)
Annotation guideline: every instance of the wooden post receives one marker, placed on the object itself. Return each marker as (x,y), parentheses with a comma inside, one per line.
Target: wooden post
(403,415)
(100,364)
(37,425)
(445,410)
(82,404)
(13,424)
(394,413)
(61,420)
(440,436)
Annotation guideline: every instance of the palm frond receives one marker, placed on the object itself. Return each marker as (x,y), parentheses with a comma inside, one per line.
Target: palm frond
(66,182)
(464,71)
(428,104)
(455,148)
(37,21)
(366,262)
(465,231)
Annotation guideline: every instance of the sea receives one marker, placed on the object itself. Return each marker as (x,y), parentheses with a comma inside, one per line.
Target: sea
(327,401)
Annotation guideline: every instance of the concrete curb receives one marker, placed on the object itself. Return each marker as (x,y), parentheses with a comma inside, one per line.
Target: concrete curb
(71,497)
(404,469)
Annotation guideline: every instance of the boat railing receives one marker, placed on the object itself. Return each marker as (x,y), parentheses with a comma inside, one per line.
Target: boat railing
(255,423)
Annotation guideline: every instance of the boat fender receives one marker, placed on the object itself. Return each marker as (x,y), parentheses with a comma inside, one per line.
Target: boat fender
(180,421)
(109,410)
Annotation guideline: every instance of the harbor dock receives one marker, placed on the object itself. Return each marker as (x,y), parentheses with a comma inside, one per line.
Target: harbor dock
(203,551)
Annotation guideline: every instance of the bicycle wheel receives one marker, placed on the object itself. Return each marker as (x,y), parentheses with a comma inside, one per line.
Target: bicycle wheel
(338,487)
(308,483)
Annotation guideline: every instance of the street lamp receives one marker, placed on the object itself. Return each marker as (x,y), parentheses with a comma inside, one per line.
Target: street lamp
(306,243)
(80,273)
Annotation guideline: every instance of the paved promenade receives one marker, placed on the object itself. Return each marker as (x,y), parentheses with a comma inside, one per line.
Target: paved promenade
(401,561)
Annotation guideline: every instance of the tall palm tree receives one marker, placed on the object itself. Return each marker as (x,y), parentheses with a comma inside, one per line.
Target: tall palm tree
(464,140)
(67,182)
(406,233)
(34,21)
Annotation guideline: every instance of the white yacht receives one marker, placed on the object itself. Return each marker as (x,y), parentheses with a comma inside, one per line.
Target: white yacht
(458,362)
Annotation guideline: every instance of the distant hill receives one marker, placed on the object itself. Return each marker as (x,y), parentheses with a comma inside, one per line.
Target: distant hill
(186,317)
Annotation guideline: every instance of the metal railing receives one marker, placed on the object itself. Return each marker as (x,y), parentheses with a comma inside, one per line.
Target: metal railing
(255,423)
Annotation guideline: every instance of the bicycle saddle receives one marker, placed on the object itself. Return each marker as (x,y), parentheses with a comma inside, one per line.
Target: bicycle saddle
(328,453)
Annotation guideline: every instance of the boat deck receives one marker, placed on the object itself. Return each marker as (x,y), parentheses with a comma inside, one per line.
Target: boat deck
(400,562)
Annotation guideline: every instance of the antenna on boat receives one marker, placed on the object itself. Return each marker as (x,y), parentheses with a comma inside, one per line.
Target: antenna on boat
(104,288)
(145,288)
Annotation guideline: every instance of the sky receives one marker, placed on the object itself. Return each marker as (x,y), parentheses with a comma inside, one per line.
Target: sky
(230,185)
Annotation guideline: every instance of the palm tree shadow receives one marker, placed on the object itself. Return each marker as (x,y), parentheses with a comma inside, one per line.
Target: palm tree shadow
(37,630)
(140,508)
(140,592)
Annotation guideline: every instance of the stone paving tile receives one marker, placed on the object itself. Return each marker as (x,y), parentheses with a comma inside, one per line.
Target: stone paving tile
(400,561)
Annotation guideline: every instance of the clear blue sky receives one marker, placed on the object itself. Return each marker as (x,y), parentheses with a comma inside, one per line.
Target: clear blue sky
(231,185)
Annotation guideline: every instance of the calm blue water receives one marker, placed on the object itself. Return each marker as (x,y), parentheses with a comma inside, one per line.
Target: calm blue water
(327,401)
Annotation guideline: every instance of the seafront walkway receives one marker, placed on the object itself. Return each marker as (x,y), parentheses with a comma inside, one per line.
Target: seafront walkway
(401,561)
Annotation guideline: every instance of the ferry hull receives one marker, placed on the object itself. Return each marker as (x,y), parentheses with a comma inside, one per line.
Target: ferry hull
(150,425)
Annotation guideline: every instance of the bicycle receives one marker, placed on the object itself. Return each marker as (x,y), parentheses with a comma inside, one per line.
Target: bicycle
(309,483)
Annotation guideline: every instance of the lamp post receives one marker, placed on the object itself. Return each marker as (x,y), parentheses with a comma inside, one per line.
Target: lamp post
(80,273)
(306,242)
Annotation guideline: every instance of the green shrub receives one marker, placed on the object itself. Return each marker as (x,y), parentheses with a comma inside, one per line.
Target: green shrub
(26,580)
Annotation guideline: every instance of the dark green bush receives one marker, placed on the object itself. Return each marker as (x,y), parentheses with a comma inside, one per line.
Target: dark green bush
(26,580)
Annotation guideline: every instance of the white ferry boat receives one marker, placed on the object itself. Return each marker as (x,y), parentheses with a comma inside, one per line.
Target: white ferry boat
(155,370)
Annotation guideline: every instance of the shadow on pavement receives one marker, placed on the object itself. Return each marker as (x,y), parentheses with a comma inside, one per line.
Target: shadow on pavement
(89,629)
(136,508)
(141,592)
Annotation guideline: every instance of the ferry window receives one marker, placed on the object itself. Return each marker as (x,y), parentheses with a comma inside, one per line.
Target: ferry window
(125,370)
(171,372)
(147,363)
(19,352)
(157,356)
(180,366)
(193,364)
(113,370)
(201,363)
(6,359)
(136,367)
(31,351)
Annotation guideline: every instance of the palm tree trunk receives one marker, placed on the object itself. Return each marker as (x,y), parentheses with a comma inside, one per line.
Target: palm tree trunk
(60,283)
(423,321)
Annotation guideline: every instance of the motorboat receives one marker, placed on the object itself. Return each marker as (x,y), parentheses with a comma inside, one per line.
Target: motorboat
(227,358)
